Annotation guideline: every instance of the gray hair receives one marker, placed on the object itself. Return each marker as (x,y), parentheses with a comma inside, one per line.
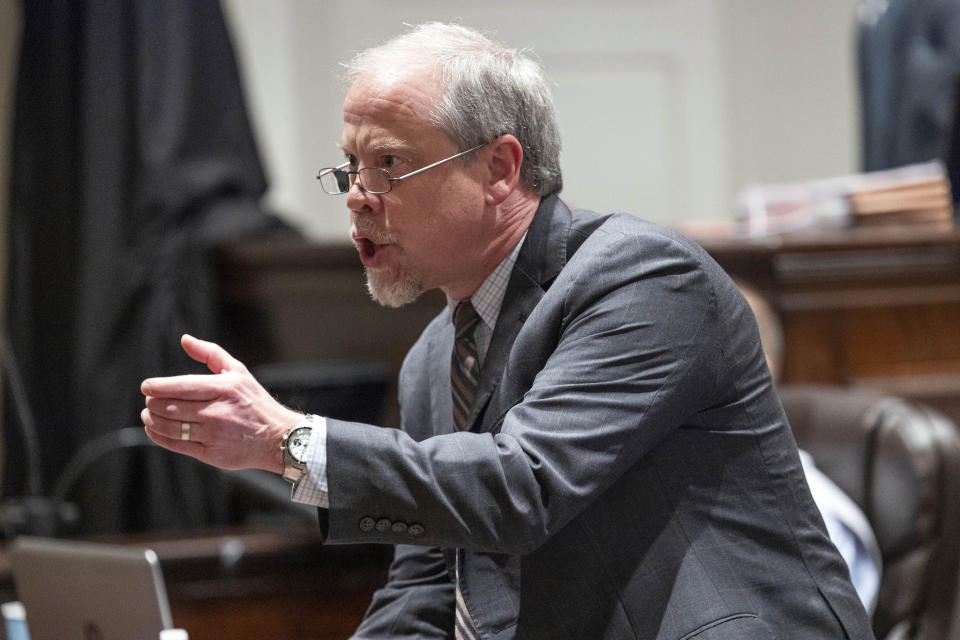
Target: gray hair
(487,90)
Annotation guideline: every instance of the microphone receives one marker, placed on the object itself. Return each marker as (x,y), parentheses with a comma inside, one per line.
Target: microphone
(21,403)
(32,513)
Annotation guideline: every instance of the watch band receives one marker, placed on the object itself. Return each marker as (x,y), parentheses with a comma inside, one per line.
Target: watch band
(294,469)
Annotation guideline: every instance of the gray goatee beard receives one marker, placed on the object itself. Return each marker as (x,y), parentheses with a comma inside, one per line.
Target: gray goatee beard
(392,288)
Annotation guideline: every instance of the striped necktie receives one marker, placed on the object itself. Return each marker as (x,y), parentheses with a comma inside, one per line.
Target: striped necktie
(464,373)
(464,365)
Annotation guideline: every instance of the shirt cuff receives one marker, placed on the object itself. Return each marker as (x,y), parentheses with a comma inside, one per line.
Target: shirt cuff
(312,487)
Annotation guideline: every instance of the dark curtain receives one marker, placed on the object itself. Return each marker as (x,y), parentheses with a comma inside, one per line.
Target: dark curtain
(132,159)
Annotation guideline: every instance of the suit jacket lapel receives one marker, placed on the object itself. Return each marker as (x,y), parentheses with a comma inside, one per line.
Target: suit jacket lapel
(440,349)
(542,256)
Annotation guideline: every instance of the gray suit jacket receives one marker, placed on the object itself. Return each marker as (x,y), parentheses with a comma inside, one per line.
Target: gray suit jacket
(629,473)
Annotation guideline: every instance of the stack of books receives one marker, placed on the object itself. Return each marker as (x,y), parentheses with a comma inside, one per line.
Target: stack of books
(917,194)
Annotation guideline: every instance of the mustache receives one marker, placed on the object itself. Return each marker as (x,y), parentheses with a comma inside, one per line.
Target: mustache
(366,228)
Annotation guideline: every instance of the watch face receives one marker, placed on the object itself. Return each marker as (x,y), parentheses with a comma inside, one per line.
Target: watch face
(297,443)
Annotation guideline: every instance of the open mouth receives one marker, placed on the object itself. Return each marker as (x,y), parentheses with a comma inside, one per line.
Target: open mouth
(370,242)
(366,247)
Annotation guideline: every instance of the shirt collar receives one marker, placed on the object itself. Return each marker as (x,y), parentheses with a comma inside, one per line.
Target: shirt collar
(488,299)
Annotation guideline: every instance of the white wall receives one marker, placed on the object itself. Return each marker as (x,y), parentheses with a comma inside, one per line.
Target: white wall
(668,107)
(794,96)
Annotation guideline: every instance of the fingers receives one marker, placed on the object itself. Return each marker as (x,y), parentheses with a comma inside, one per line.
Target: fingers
(163,427)
(192,387)
(211,354)
(186,447)
(177,410)
(201,388)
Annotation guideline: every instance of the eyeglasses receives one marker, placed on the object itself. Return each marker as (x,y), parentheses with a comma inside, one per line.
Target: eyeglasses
(337,180)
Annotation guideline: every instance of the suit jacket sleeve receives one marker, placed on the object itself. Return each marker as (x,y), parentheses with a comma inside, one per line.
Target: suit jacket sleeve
(620,351)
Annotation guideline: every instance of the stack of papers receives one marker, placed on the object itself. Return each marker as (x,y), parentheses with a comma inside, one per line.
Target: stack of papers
(917,194)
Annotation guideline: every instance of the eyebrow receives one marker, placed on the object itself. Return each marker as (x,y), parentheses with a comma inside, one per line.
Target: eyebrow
(385,143)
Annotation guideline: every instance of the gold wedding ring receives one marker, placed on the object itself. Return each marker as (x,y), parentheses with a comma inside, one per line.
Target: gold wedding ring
(184,430)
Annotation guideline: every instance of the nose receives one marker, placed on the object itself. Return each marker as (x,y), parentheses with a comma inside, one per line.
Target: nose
(359,200)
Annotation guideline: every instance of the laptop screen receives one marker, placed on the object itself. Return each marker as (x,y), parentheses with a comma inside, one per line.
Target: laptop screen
(87,591)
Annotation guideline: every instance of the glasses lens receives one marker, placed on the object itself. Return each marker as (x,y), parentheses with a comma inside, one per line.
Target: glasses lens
(334,181)
(375,180)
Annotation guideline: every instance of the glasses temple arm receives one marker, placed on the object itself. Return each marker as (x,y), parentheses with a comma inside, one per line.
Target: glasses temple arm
(437,163)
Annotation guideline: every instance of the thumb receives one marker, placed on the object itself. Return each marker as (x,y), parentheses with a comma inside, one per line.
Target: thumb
(211,354)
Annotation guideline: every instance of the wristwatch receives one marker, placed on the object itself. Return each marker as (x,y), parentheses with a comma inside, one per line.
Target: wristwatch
(294,447)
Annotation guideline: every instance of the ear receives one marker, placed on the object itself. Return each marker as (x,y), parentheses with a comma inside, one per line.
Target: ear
(506,156)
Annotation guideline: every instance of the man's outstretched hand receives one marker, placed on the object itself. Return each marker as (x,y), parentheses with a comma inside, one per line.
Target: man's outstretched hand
(234,423)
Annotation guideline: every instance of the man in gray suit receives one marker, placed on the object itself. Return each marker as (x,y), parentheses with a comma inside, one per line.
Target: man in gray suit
(597,453)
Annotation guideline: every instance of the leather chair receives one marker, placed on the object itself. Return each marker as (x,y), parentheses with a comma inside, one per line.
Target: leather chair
(900,462)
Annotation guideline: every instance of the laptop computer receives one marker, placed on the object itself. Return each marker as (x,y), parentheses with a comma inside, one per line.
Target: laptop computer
(85,591)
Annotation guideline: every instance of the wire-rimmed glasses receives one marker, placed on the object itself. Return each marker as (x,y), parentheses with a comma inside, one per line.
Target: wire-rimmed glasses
(338,180)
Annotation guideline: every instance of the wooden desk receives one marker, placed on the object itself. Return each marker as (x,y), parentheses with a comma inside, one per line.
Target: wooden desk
(873,306)
(283,585)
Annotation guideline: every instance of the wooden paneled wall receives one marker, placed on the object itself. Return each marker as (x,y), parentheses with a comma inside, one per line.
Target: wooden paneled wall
(877,307)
